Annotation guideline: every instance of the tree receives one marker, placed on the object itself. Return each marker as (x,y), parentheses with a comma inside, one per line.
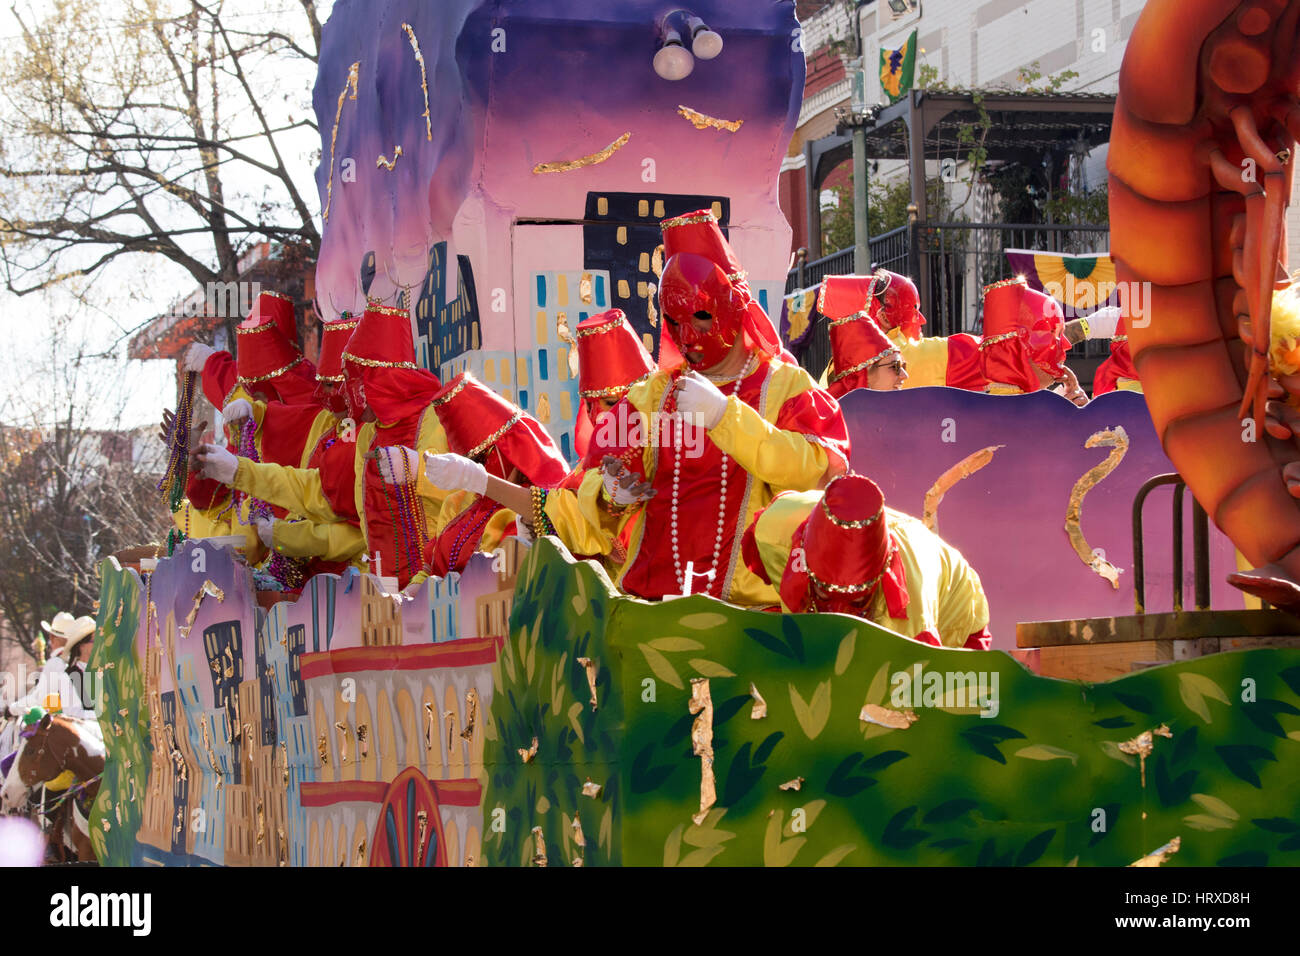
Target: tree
(171,128)
(75,486)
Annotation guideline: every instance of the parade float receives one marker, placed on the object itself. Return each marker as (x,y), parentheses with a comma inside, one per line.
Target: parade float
(501,169)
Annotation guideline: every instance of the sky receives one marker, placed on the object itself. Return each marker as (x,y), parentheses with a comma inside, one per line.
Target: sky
(132,289)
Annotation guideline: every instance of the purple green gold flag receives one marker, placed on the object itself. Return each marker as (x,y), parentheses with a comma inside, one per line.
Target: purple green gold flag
(1082,284)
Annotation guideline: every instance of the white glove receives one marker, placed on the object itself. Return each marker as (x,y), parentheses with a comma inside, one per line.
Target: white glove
(16,709)
(237,411)
(196,356)
(621,485)
(218,463)
(266,531)
(1103,322)
(451,472)
(397,464)
(700,401)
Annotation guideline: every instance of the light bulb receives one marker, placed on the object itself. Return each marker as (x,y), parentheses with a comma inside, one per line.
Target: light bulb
(705,43)
(673,61)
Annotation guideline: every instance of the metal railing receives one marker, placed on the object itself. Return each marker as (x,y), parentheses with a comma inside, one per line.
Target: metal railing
(1200,546)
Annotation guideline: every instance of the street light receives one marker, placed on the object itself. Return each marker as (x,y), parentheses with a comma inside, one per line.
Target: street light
(705,43)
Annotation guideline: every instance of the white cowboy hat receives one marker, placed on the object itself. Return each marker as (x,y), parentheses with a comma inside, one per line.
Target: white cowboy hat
(72,630)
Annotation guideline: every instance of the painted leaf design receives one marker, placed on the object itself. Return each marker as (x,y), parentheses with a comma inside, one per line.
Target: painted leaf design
(703,622)
(1046,752)
(669,645)
(811,811)
(710,669)
(1135,702)
(662,669)
(1111,749)
(1195,688)
(701,857)
(773,644)
(1277,825)
(879,685)
(812,716)
(1035,848)
(1215,806)
(574,711)
(834,857)
(1111,723)
(1237,757)
(1250,858)
(949,810)
(843,782)
(882,760)
(778,852)
(898,835)
(844,656)
(1204,821)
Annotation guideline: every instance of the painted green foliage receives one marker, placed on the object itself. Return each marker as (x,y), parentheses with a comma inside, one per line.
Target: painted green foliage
(120,803)
(1043,780)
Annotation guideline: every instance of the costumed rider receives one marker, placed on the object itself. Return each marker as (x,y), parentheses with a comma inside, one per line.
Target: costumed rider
(489,437)
(842,551)
(392,397)
(61,686)
(1012,311)
(295,434)
(700,449)
(1117,373)
(864,357)
(611,359)
(893,303)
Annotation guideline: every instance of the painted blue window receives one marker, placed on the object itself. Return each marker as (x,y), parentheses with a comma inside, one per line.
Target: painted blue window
(762,298)
(523,399)
(564,446)
(600,291)
(543,360)
(541,292)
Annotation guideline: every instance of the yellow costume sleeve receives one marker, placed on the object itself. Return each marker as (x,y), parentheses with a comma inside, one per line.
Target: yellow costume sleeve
(329,541)
(775,528)
(581,518)
(197,523)
(778,458)
(927,359)
(946,596)
(294,489)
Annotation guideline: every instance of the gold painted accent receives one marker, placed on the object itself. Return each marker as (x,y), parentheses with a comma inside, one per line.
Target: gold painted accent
(592,668)
(795,784)
(657,261)
(424,80)
(884,717)
(644,262)
(362,744)
(342,728)
(594,159)
(621,235)
(261,823)
(528,755)
(641,290)
(361,852)
(428,725)
(544,409)
(643,207)
(539,857)
(704,121)
(585,294)
(323,749)
(471,713)
(651,312)
(284,758)
(659,208)
(701,705)
(590,789)
(624,290)
(351,82)
(207,590)
(1161,856)
(385,162)
(649,342)
(1117,440)
(578,837)
(449,721)
(1143,744)
(759,710)
(717,211)
(423,817)
(963,469)
(602,206)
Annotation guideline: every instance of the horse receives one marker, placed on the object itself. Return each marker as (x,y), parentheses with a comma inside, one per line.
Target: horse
(57,747)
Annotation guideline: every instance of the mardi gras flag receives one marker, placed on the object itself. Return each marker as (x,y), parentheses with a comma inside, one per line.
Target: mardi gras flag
(1082,284)
(898,68)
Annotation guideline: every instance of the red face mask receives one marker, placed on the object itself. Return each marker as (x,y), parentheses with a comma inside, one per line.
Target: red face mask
(329,395)
(354,395)
(900,307)
(1046,323)
(693,288)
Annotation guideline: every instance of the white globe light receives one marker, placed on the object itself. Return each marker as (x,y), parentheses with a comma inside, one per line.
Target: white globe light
(707,44)
(674,62)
